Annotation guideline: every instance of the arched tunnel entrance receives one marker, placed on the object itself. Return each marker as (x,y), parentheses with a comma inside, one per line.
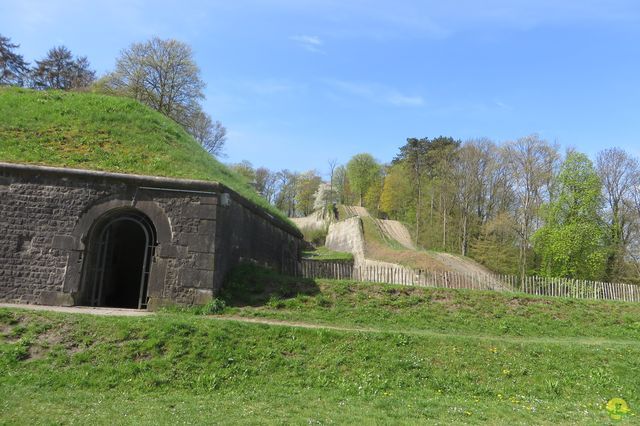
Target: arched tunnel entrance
(120,251)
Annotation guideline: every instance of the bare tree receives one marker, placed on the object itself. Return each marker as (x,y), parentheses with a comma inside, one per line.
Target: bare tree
(332,167)
(287,192)
(633,243)
(60,70)
(246,170)
(13,69)
(476,162)
(341,185)
(266,182)
(620,174)
(212,135)
(161,74)
(532,163)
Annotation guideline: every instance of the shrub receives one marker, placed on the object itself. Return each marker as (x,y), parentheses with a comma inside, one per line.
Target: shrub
(215,306)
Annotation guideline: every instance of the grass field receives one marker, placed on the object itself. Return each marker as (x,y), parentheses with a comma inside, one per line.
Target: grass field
(376,355)
(323,253)
(98,132)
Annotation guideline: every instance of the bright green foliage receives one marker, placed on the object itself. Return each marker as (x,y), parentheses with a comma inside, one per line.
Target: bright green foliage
(306,186)
(496,246)
(572,241)
(323,253)
(379,355)
(396,192)
(362,170)
(98,132)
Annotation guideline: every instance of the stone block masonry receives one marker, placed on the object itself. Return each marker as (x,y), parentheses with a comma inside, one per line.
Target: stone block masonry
(50,243)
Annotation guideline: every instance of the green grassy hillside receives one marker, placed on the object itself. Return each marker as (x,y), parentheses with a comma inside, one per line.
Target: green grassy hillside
(91,131)
(351,353)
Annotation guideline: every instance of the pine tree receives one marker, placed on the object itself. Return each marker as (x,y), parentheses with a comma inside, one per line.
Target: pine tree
(13,69)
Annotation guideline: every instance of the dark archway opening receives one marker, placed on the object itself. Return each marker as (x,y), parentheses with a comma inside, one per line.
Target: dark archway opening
(121,249)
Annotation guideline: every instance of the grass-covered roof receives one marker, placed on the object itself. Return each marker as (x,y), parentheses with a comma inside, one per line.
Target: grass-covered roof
(98,132)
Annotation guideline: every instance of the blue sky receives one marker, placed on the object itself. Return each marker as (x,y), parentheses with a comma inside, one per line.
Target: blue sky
(300,82)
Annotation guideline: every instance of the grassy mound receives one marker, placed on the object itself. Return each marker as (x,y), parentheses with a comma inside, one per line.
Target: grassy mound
(351,353)
(90,131)
(420,309)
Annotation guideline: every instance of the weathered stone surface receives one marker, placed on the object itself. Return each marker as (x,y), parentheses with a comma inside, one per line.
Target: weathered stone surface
(202,296)
(47,218)
(196,278)
(200,211)
(204,261)
(56,298)
(63,242)
(207,227)
(201,243)
(209,199)
(173,251)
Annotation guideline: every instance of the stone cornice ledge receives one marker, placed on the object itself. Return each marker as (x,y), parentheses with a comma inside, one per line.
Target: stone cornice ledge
(155,181)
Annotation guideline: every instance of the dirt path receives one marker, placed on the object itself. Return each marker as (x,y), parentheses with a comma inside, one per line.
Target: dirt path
(355,211)
(348,235)
(79,310)
(311,222)
(396,231)
(315,326)
(543,340)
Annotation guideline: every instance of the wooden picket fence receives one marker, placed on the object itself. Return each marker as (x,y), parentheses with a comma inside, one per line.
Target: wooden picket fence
(396,274)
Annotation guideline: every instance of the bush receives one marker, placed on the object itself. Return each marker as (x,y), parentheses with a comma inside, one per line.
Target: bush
(215,306)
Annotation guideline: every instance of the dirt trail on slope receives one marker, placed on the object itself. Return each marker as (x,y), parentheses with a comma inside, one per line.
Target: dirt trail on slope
(349,235)
(394,248)
(396,231)
(313,221)
(460,264)
(355,211)
(427,333)
(316,326)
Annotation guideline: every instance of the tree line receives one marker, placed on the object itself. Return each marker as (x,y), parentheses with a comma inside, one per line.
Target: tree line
(520,207)
(159,73)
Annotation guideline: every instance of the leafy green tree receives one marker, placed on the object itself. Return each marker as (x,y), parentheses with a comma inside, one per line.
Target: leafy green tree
(374,192)
(497,245)
(13,69)
(428,163)
(396,192)
(362,171)
(307,186)
(414,155)
(572,243)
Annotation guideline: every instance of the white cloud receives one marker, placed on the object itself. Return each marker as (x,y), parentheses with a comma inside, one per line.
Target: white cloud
(398,99)
(377,93)
(309,42)
(269,87)
(437,19)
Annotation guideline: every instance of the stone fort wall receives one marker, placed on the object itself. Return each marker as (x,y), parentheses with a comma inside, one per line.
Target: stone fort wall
(203,230)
